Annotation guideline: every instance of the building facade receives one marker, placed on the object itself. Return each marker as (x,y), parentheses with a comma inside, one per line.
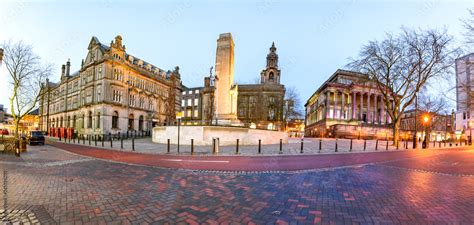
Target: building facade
(347,105)
(261,105)
(440,127)
(221,102)
(464,94)
(112,92)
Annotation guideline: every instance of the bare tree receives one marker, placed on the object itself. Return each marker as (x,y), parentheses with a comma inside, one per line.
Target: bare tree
(27,74)
(292,106)
(469,25)
(402,64)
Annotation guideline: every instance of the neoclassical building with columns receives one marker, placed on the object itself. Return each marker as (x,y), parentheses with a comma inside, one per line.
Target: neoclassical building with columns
(112,92)
(347,105)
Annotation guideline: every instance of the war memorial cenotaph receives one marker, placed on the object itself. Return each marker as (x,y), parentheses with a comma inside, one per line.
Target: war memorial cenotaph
(227,128)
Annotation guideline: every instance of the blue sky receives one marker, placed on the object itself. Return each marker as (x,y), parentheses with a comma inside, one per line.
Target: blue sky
(314,38)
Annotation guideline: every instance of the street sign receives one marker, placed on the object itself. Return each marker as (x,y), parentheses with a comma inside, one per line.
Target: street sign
(179,115)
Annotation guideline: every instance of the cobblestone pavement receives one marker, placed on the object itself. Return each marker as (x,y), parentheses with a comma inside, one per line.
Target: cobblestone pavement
(293,147)
(431,188)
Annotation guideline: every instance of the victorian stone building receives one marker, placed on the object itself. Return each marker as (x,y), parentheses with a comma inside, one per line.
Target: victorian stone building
(112,92)
(440,127)
(348,105)
(261,105)
(221,102)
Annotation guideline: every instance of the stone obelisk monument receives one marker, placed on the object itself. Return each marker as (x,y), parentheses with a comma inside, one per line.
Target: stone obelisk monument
(226,91)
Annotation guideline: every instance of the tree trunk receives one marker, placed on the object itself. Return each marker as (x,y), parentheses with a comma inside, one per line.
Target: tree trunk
(17,124)
(396,132)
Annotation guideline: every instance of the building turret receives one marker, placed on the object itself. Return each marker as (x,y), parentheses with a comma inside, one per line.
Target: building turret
(271,74)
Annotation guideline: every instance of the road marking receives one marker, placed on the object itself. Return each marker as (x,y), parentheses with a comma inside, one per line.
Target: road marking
(185,160)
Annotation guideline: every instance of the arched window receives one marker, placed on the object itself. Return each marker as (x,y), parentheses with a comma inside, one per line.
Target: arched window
(97,120)
(115,118)
(140,123)
(130,122)
(89,120)
(271,77)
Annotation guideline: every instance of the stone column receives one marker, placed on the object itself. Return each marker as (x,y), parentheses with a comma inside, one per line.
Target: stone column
(335,105)
(368,107)
(361,105)
(343,106)
(354,106)
(382,111)
(375,109)
(327,105)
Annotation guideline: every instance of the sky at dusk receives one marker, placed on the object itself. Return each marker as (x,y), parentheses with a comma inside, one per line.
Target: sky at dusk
(313,38)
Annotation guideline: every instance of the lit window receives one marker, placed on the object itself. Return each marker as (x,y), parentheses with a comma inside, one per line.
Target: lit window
(189,102)
(196,101)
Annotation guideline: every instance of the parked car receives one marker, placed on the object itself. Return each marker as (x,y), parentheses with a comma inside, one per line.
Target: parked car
(36,137)
(4,132)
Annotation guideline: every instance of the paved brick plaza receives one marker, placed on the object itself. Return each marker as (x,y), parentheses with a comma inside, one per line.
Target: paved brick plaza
(58,187)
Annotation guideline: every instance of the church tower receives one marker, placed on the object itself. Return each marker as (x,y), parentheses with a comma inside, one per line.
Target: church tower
(271,74)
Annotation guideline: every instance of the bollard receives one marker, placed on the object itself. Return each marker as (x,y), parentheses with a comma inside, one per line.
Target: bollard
(336,145)
(59,137)
(365,144)
(434,143)
(89,139)
(301,149)
(398,142)
(439,144)
(320,144)
(73,140)
(121,140)
(281,146)
(111,145)
(350,147)
(237,147)
(102,139)
(406,143)
(83,140)
(192,146)
(168,146)
(386,146)
(95,140)
(213,146)
(259,146)
(376,144)
(444,143)
(133,143)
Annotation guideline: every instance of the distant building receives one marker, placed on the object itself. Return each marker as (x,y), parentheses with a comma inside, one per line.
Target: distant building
(222,102)
(112,92)
(347,105)
(464,93)
(295,128)
(191,106)
(440,127)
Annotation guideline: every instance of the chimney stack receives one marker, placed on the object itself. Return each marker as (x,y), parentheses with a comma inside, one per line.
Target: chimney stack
(63,70)
(68,67)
